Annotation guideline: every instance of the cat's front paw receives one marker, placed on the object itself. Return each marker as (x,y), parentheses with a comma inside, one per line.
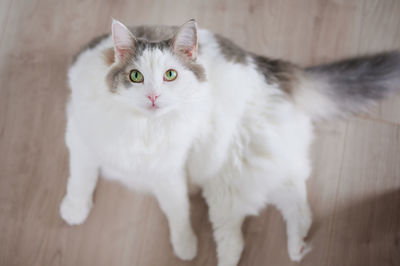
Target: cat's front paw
(185,245)
(298,250)
(75,211)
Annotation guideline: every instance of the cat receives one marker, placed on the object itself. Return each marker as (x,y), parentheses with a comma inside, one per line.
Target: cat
(160,107)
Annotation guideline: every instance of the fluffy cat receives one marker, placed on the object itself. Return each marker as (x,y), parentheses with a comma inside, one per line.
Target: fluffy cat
(157,108)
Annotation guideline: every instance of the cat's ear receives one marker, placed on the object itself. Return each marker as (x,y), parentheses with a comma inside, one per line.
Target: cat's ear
(185,40)
(124,41)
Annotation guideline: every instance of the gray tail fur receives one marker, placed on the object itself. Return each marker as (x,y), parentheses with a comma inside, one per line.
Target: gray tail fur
(348,86)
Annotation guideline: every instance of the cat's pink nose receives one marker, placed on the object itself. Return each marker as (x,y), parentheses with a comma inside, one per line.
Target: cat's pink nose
(152,97)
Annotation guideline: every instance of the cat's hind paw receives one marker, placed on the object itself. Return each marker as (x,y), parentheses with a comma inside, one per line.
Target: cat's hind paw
(75,211)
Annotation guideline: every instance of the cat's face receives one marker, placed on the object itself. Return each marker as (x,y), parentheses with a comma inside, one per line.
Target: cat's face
(155,77)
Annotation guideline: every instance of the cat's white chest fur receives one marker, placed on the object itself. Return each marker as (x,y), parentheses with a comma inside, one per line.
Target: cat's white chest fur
(136,152)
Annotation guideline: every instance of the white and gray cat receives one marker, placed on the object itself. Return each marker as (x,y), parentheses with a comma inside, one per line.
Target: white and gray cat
(159,108)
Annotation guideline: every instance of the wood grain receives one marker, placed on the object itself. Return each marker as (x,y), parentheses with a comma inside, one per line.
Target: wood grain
(354,190)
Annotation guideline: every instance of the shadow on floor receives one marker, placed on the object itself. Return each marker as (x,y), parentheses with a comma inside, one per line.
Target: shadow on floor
(363,233)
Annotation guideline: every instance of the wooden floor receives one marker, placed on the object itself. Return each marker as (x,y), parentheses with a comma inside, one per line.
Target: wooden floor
(354,190)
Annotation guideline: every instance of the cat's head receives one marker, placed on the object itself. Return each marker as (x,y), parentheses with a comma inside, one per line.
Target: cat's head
(155,76)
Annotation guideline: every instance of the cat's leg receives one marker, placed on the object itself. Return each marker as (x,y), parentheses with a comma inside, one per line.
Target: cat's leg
(291,200)
(78,201)
(174,201)
(227,218)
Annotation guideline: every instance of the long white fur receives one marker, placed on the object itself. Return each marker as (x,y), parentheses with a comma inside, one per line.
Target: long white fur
(241,140)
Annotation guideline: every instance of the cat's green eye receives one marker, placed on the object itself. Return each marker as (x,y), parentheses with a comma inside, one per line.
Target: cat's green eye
(170,75)
(136,76)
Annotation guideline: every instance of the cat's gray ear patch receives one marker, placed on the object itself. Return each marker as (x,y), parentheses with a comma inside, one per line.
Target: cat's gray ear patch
(185,40)
(124,41)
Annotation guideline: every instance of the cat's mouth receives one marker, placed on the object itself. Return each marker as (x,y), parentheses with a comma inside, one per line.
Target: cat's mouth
(153,107)
(157,110)
(154,110)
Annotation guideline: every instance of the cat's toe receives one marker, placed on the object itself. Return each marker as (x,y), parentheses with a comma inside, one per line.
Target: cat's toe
(185,246)
(74,211)
(297,252)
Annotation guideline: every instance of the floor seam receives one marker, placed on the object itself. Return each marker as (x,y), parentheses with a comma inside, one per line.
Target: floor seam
(379,120)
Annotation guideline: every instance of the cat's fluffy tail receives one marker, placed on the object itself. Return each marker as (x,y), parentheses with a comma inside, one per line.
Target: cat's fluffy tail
(347,86)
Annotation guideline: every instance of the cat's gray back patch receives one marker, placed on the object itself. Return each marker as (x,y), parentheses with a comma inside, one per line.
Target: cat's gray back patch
(231,51)
(277,71)
(90,45)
